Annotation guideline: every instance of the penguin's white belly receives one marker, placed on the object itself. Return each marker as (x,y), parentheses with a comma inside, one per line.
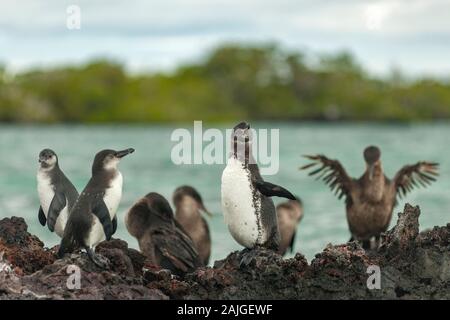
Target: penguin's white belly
(96,235)
(237,205)
(113,195)
(112,198)
(45,191)
(61,222)
(46,194)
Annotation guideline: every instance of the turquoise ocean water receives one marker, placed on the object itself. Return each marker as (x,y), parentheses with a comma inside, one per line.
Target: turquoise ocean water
(150,169)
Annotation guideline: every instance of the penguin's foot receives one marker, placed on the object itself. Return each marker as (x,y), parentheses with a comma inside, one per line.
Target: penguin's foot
(98,260)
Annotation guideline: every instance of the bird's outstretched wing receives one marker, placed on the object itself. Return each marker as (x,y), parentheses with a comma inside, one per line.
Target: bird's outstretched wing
(176,250)
(331,172)
(422,173)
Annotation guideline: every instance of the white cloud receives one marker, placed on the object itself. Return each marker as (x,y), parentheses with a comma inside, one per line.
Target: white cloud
(160,33)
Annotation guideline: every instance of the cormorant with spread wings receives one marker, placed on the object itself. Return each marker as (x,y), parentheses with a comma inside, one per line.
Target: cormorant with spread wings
(371,199)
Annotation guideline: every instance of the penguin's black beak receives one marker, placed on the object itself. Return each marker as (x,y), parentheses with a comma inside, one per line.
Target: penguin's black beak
(123,153)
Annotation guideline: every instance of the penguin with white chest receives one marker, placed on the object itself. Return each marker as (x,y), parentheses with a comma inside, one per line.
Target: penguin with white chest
(247,207)
(93,218)
(57,195)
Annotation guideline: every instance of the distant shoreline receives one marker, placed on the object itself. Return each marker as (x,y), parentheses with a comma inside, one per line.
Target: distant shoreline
(231,83)
(229,123)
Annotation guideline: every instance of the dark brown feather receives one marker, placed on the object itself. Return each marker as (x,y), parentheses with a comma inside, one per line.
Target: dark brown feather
(331,172)
(422,173)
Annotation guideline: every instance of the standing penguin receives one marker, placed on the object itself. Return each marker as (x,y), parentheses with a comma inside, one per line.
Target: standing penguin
(188,212)
(57,195)
(289,214)
(93,217)
(247,207)
(159,235)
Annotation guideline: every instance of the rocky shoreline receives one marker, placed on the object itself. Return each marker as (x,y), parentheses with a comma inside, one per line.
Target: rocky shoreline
(412,265)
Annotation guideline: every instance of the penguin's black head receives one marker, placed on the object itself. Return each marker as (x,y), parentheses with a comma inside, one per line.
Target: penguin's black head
(241,140)
(48,159)
(372,154)
(242,132)
(109,159)
(188,196)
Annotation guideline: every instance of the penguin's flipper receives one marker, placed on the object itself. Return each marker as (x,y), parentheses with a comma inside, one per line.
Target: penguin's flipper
(41,216)
(58,203)
(269,190)
(102,213)
(114,224)
(291,244)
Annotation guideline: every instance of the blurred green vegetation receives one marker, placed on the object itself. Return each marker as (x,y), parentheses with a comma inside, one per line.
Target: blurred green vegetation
(233,82)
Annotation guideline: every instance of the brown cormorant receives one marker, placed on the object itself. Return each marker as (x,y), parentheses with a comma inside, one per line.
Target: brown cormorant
(371,199)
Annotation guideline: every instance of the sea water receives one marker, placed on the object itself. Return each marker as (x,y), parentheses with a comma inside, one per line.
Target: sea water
(150,168)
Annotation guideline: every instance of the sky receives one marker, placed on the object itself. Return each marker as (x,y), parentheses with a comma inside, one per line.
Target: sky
(411,35)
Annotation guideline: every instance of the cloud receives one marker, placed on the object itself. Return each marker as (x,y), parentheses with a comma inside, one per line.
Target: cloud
(161,33)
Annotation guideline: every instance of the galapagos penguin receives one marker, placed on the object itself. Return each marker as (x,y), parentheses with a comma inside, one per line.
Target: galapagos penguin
(57,195)
(93,217)
(247,206)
